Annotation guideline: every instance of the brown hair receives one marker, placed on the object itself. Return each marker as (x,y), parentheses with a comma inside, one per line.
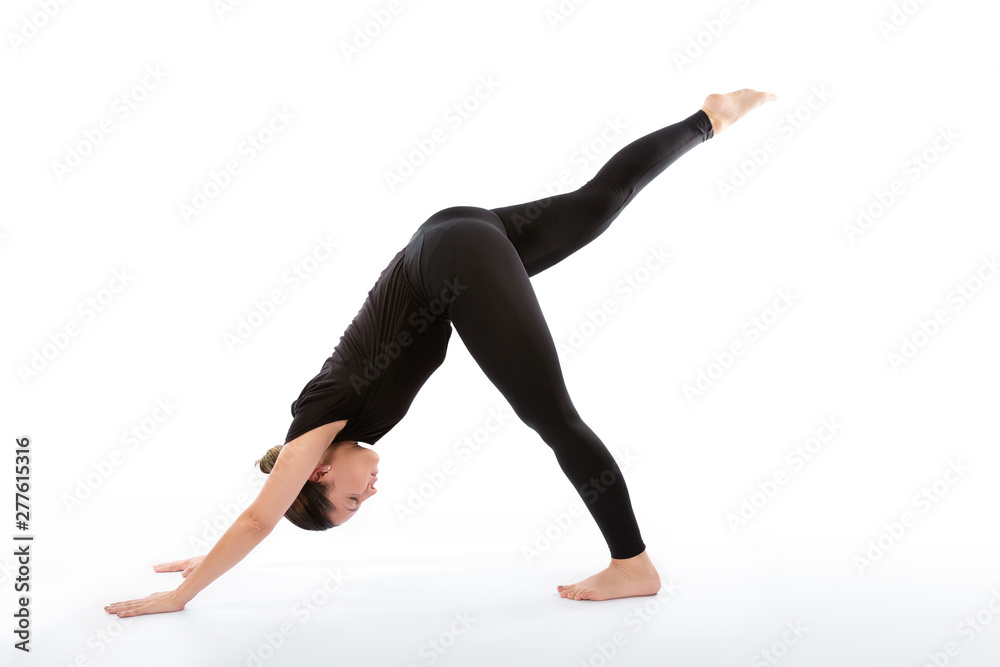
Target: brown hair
(311,507)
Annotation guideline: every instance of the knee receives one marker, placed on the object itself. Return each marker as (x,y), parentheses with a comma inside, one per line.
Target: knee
(550,421)
(605,197)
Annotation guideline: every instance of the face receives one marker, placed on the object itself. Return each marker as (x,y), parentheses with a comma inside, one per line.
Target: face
(352,470)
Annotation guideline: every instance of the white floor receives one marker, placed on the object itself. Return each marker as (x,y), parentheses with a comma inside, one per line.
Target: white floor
(493,609)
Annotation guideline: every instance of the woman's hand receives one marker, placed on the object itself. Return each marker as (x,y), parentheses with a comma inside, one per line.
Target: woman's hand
(157,603)
(183,566)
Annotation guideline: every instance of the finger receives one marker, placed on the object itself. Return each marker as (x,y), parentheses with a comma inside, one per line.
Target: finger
(127,604)
(116,609)
(169,567)
(132,606)
(119,605)
(130,612)
(139,611)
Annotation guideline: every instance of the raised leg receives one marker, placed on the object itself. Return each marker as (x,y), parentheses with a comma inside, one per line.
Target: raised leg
(546,231)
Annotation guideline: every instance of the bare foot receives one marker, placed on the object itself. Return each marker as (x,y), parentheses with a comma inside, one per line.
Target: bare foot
(629,577)
(724,110)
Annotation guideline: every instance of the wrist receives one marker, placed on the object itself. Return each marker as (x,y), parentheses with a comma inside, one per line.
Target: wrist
(183,593)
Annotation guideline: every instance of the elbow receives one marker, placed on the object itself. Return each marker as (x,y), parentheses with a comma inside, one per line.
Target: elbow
(257,524)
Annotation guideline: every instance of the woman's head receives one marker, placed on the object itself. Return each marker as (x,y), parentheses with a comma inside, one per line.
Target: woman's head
(342,480)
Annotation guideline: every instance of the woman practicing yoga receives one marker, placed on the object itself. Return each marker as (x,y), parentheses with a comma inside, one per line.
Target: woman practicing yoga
(466,267)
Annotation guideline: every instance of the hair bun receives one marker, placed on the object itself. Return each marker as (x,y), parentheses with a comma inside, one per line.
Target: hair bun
(266,462)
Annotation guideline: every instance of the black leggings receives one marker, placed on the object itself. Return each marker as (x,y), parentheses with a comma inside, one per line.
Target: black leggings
(487,256)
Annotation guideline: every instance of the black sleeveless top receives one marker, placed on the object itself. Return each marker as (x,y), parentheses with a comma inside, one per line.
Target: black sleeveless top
(383,358)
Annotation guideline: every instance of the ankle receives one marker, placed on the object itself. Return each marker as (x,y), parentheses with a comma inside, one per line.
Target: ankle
(640,561)
(716,122)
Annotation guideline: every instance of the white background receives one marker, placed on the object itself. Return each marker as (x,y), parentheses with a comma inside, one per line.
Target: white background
(102,519)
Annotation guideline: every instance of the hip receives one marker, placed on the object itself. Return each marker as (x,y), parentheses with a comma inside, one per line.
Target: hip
(442,240)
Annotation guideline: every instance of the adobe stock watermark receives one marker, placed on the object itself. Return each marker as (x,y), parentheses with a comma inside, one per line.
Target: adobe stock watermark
(923,501)
(32,24)
(86,312)
(454,116)
(913,169)
(712,29)
(131,439)
(779,648)
(545,538)
(303,610)
(636,620)
(418,322)
(223,8)
(752,330)
(561,12)
(582,157)
(218,180)
(796,459)
(899,15)
(968,629)
(100,641)
(213,528)
(436,647)
(364,34)
(786,127)
(624,289)
(292,279)
(121,107)
(462,450)
(927,329)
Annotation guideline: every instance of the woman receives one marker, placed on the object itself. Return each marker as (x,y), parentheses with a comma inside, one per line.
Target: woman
(466,267)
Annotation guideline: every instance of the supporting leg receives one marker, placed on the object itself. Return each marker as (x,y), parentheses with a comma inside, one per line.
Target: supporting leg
(499,320)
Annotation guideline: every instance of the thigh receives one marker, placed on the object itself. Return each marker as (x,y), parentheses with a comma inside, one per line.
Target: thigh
(546,231)
(497,315)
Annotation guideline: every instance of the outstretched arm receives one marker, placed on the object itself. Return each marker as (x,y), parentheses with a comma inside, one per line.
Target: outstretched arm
(295,464)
